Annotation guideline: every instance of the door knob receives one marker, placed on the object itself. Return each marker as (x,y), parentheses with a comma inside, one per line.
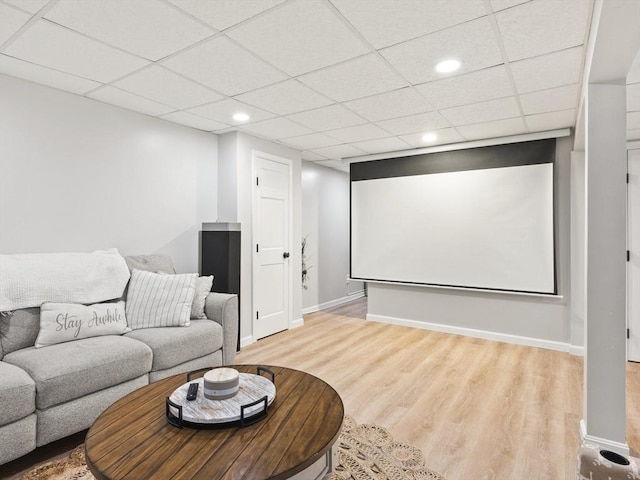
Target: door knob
(285,255)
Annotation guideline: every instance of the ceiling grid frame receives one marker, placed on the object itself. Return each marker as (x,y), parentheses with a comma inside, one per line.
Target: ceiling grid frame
(378,131)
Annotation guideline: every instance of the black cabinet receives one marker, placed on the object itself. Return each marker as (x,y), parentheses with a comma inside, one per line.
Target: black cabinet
(220,257)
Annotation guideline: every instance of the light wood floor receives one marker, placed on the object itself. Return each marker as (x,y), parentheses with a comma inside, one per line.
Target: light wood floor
(477,409)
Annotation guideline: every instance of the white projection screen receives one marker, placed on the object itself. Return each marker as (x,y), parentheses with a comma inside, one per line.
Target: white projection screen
(478,218)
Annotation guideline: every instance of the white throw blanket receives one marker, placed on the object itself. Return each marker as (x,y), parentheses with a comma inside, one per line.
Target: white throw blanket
(29,280)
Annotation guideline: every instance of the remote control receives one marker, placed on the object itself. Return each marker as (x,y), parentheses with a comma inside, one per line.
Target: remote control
(193,392)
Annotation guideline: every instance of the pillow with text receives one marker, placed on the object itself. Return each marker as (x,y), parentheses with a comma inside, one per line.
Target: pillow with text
(65,322)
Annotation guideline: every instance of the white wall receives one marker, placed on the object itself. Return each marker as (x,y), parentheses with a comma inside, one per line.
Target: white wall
(578,285)
(532,320)
(236,161)
(325,223)
(77,174)
(228,178)
(606,265)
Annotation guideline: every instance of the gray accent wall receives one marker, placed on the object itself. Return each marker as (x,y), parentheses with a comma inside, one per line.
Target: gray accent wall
(77,174)
(325,223)
(529,319)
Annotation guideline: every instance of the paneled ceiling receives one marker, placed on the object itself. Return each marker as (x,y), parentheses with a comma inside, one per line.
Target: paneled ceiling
(333,78)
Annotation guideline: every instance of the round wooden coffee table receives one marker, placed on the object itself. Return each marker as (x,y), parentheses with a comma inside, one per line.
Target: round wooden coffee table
(132,439)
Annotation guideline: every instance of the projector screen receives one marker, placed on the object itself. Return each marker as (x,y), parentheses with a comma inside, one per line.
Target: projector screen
(479,218)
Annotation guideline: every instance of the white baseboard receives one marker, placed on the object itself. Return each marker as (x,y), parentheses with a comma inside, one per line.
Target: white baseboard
(576,350)
(470,332)
(248,340)
(334,303)
(621,448)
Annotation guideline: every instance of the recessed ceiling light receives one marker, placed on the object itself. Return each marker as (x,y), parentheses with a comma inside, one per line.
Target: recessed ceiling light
(240,117)
(429,137)
(448,66)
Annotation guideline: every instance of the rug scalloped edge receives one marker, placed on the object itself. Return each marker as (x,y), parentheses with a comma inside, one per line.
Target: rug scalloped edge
(351,438)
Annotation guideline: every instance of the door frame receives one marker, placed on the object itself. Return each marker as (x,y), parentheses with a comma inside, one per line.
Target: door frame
(633,325)
(255,264)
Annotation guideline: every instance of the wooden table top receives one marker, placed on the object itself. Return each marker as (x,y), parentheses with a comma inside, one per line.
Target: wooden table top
(132,439)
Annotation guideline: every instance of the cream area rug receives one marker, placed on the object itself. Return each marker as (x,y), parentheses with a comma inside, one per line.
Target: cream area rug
(365,452)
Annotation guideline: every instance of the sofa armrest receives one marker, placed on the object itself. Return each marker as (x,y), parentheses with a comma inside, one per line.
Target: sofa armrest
(223,308)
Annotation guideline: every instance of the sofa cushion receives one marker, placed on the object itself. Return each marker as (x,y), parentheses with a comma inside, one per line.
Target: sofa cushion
(70,370)
(175,345)
(156,262)
(17,393)
(19,329)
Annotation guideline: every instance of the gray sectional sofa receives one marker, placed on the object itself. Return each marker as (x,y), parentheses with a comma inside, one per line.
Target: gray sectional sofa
(51,392)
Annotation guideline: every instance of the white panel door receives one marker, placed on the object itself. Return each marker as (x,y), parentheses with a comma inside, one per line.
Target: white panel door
(272,242)
(633,265)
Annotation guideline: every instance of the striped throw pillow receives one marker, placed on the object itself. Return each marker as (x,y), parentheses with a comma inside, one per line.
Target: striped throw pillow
(159,300)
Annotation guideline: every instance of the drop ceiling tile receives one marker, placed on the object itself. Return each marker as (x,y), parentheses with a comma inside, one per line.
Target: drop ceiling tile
(222,14)
(339,151)
(284,98)
(633,134)
(276,128)
(548,71)
(53,46)
(633,97)
(299,37)
(151,29)
(327,118)
(312,140)
(423,122)
(380,145)
(543,26)
(416,59)
(398,103)
(359,133)
(167,87)
(498,128)
(335,164)
(356,78)
(31,6)
(311,156)
(634,72)
(225,67)
(487,84)
(46,76)
(633,120)
(224,110)
(190,120)
(497,5)
(482,112)
(127,100)
(542,101)
(445,136)
(551,120)
(11,20)
(387,22)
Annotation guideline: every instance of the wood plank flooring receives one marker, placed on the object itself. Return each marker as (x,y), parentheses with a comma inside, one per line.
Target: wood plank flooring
(477,409)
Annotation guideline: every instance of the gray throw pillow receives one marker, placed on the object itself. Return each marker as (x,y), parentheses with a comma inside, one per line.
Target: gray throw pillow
(203,287)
